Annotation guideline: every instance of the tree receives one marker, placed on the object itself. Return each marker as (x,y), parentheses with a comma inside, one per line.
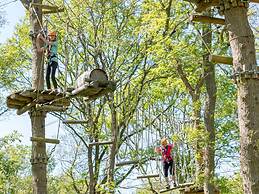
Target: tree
(14,163)
(244,59)
(209,111)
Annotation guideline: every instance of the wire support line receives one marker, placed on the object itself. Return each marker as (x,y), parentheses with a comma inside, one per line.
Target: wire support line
(4,4)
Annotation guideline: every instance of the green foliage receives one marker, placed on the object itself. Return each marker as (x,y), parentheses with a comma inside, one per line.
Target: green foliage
(14,164)
(230,185)
(139,44)
(15,59)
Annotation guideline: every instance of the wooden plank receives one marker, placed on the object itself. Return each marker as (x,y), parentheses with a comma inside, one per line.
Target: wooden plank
(178,187)
(46,140)
(50,7)
(124,163)
(24,99)
(148,176)
(254,1)
(110,88)
(85,91)
(13,106)
(100,143)
(54,11)
(130,162)
(25,108)
(49,108)
(221,59)
(16,102)
(207,19)
(75,121)
(28,93)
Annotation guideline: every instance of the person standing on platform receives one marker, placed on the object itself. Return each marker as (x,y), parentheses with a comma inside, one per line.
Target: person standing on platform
(168,163)
(52,55)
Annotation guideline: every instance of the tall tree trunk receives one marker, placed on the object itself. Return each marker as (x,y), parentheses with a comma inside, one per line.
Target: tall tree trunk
(92,182)
(196,114)
(113,150)
(244,59)
(197,126)
(91,170)
(39,157)
(210,84)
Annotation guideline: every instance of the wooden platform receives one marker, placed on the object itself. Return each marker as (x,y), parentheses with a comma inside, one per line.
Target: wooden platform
(24,100)
(94,89)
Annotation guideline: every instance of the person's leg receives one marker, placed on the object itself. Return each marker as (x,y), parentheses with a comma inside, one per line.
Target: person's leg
(165,168)
(54,66)
(48,76)
(172,172)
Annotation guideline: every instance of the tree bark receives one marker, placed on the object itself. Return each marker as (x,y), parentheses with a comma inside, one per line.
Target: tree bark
(92,182)
(113,151)
(244,58)
(210,84)
(197,126)
(196,114)
(39,157)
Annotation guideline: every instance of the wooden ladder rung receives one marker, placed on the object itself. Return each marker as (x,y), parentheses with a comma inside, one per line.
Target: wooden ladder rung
(53,11)
(148,176)
(42,6)
(221,59)
(49,108)
(207,19)
(46,140)
(100,143)
(75,121)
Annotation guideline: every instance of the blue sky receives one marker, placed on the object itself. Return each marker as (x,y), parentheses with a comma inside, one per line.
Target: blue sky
(13,13)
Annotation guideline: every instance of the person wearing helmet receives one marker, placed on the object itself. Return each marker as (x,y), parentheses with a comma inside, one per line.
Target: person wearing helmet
(168,162)
(52,52)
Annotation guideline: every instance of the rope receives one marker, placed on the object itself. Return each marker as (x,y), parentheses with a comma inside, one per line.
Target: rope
(57,137)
